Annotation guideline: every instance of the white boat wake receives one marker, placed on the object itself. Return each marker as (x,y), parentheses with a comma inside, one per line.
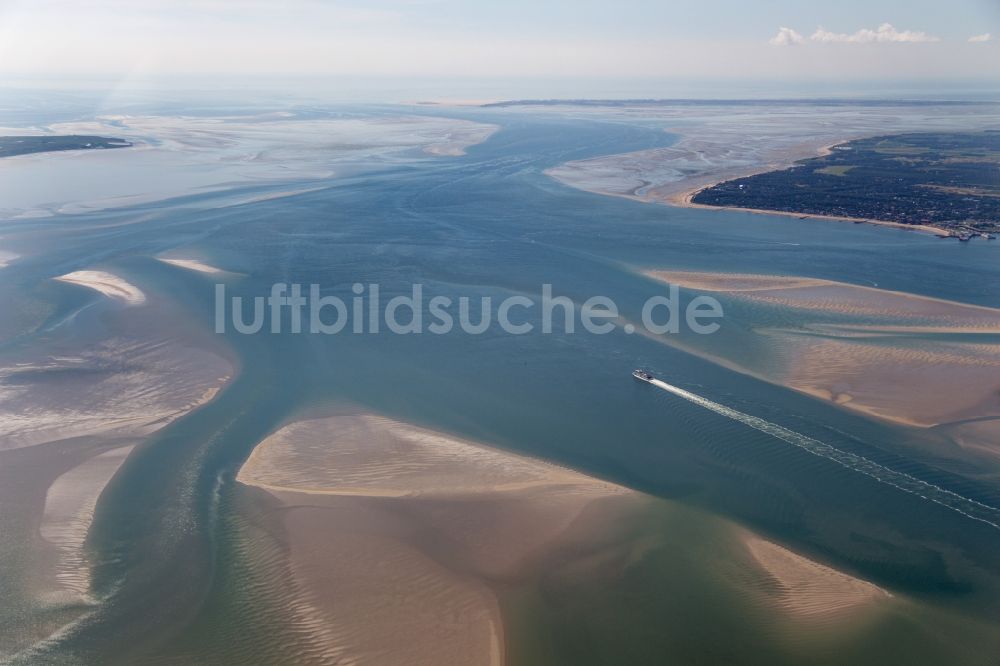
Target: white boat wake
(946,498)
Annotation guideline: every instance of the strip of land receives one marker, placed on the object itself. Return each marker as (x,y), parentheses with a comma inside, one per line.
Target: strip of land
(27,145)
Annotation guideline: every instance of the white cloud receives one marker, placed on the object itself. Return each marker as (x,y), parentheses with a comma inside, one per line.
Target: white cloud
(979,39)
(885,34)
(786,37)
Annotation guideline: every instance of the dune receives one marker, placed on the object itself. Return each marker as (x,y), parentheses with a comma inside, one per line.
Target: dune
(108,284)
(397,535)
(805,590)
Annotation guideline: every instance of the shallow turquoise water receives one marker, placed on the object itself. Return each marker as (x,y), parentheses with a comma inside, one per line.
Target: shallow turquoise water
(491,223)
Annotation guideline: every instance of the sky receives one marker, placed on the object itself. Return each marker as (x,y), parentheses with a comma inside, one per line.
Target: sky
(846,40)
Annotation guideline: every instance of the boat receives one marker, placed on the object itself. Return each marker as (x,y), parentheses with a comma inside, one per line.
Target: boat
(642,375)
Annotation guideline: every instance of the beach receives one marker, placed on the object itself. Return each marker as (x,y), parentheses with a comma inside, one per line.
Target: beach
(685,198)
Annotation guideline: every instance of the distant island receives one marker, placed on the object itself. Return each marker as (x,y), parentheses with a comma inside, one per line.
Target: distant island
(948,181)
(26,145)
(693,101)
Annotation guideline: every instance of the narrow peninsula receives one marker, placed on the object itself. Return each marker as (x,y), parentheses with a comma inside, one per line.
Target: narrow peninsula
(11,146)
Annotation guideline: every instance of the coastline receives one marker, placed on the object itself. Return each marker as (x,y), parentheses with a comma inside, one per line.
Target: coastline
(685,199)
(681,193)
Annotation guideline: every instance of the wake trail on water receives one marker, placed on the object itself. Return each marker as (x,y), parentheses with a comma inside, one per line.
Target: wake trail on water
(969,508)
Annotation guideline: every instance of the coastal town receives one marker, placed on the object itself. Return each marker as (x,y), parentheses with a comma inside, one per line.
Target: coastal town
(949,181)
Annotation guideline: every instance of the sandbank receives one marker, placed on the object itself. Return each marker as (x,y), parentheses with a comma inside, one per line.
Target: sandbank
(398,535)
(896,356)
(192,265)
(805,590)
(108,284)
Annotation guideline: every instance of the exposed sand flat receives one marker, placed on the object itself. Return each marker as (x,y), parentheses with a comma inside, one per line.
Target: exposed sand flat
(218,155)
(121,387)
(65,403)
(387,543)
(457,141)
(920,386)
(842,298)
(741,282)
(374,597)
(379,457)
(727,141)
(108,284)
(192,265)
(69,511)
(396,533)
(809,591)
(870,350)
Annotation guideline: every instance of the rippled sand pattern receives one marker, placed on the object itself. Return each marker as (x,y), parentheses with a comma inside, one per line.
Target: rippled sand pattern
(925,386)
(69,511)
(123,386)
(842,298)
(396,534)
(879,352)
(809,591)
(375,456)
